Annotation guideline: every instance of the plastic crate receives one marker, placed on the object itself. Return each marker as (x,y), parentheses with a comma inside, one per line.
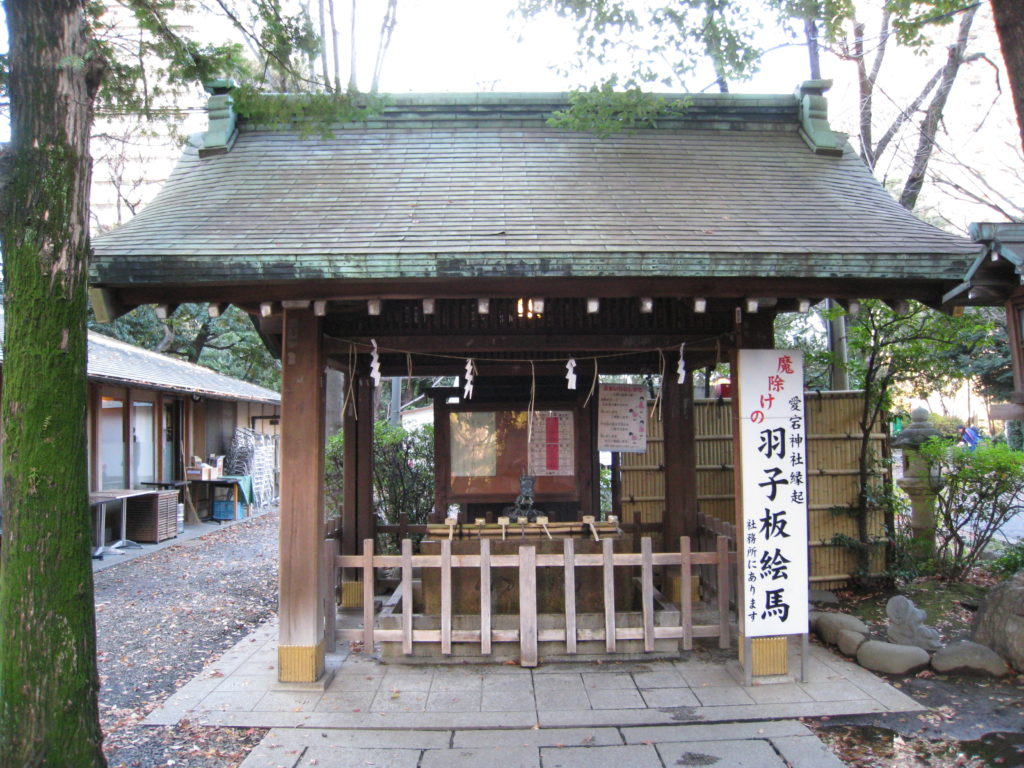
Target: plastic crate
(225,509)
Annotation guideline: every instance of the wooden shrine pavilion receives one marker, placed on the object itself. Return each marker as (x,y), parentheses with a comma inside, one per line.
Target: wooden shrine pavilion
(462,234)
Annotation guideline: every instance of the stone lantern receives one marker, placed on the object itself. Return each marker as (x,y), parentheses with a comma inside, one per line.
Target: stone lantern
(918,482)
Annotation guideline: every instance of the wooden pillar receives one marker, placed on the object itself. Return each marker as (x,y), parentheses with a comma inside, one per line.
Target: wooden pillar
(364,458)
(680,461)
(300,650)
(350,469)
(442,459)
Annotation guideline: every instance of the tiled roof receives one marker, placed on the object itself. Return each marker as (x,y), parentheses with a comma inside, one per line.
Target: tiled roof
(117,362)
(473,186)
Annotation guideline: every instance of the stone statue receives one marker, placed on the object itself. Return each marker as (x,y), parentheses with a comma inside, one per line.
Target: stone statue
(906,625)
(524,501)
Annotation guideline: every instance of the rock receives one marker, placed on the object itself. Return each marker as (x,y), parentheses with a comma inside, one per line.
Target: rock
(892,658)
(812,620)
(999,623)
(907,627)
(966,656)
(849,641)
(829,626)
(822,597)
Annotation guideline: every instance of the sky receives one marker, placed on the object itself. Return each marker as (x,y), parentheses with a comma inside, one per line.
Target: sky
(474,45)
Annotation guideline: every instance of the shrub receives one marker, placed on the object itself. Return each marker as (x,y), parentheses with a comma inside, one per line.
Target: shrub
(978,495)
(403,475)
(1010,560)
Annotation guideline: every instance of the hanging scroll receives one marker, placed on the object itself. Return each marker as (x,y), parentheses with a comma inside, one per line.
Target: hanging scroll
(551,444)
(773,452)
(622,418)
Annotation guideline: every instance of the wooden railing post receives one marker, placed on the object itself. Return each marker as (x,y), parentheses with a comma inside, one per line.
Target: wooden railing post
(647,591)
(569,563)
(723,592)
(528,606)
(485,597)
(446,597)
(368,596)
(407,597)
(330,594)
(608,571)
(686,592)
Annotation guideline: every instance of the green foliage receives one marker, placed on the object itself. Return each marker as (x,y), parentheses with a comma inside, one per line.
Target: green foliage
(979,349)
(603,111)
(1010,560)
(912,18)
(306,112)
(638,44)
(605,479)
(1015,435)
(978,495)
(228,344)
(806,332)
(153,65)
(635,45)
(403,474)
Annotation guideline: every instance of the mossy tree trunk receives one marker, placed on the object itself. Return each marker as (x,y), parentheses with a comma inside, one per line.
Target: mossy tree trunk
(48,678)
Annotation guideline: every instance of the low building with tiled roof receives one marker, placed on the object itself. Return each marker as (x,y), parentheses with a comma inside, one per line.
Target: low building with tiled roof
(465,235)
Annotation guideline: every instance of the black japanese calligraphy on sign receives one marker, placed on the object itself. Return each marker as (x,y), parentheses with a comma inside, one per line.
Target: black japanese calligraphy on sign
(775,492)
(772,482)
(773,443)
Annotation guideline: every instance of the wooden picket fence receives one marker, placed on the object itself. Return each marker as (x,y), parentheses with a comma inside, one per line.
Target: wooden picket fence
(527,561)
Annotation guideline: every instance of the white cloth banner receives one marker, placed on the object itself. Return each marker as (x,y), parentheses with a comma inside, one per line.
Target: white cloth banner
(774,482)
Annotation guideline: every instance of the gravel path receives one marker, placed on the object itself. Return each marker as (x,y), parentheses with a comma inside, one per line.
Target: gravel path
(159,619)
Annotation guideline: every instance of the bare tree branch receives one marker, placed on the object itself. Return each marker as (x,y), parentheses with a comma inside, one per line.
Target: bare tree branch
(387,27)
(915,180)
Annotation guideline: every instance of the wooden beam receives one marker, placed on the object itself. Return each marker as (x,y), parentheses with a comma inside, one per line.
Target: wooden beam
(254,292)
(104,305)
(301,649)
(472,344)
(1006,412)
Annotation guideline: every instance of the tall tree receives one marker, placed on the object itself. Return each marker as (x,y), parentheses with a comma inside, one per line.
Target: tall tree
(48,679)
(1009,18)
(53,75)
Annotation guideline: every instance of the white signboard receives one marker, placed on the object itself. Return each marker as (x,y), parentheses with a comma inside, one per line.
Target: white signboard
(551,448)
(774,482)
(622,418)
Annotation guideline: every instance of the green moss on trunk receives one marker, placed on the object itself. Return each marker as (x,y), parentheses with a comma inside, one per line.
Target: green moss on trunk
(48,678)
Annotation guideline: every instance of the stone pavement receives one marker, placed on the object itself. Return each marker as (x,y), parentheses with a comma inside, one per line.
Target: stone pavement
(689,711)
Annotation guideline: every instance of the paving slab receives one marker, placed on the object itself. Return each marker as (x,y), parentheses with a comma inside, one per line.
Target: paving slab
(600,757)
(566,714)
(453,701)
(806,752)
(510,757)
(562,699)
(507,701)
(767,729)
(341,737)
(669,697)
(349,756)
(750,753)
(537,737)
(615,698)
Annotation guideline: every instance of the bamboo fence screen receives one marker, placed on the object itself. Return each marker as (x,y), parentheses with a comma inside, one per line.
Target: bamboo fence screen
(833,435)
